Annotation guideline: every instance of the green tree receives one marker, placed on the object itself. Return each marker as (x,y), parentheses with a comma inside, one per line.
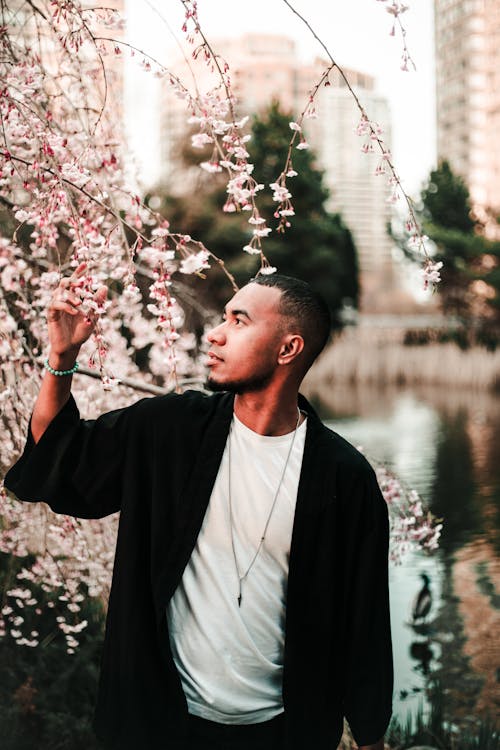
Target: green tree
(318,247)
(470,286)
(447,201)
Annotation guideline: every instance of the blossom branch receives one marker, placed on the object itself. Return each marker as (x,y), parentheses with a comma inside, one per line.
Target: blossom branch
(396,9)
(374,132)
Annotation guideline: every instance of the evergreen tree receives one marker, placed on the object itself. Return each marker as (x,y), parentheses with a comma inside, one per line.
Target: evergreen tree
(470,286)
(318,247)
(447,201)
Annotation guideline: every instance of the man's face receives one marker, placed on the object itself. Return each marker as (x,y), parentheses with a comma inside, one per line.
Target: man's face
(244,347)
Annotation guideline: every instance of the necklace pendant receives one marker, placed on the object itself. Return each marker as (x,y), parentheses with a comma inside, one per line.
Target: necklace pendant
(244,576)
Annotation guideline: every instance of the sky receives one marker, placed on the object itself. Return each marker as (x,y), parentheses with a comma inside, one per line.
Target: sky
(355,31)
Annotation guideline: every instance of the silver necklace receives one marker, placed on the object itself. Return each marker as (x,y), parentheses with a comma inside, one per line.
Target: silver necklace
(243,577)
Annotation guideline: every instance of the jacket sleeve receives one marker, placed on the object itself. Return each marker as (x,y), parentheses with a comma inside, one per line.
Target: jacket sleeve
(368,668)
(77,465)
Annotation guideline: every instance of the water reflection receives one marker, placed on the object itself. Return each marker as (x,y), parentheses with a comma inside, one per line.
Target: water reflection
(444,443)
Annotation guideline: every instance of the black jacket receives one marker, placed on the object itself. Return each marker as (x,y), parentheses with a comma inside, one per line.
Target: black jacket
(157,461)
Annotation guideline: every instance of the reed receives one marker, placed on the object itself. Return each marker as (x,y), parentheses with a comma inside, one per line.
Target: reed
(370,357)
(433,731)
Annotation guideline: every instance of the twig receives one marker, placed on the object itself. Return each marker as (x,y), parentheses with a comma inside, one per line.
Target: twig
(140,385)
(373,134)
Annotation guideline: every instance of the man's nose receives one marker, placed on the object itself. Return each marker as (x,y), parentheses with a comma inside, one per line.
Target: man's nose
(216,335)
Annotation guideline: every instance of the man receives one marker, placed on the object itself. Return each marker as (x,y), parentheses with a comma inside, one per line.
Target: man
(249,604)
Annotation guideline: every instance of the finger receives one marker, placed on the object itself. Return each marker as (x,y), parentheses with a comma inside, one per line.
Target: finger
(67,296)
(68,281)
(58,306)
(101,294)
(79,270)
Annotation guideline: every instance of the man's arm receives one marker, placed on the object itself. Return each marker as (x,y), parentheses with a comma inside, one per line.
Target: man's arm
(368,658)
(74,465)
(68,330)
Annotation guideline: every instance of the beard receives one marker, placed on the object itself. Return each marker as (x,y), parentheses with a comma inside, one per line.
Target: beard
(248,385)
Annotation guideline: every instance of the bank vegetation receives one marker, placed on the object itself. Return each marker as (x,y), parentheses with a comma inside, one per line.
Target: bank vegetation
(369,356)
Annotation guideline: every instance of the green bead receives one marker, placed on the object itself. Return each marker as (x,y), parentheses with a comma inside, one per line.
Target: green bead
(60,372)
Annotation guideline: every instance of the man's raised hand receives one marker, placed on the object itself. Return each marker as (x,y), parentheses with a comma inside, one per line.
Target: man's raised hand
(68,326)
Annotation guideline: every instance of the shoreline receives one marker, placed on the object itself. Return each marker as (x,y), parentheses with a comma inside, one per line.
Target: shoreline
(365,356)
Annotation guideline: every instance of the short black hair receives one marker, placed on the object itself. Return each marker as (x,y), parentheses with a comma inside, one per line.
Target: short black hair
(306,307)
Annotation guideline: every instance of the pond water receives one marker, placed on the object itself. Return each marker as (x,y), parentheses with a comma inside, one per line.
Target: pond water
(445,444)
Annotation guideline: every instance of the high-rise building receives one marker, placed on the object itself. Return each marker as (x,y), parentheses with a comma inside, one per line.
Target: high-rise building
(468,94)
(265,67)
(357,191)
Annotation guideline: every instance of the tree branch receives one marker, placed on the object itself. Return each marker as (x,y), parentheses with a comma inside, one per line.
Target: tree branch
(140,385)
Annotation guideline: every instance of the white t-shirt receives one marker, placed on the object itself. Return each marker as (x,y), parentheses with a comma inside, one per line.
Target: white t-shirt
(230,658)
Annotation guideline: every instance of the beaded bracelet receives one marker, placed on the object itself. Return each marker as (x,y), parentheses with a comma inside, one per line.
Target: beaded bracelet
(60,372)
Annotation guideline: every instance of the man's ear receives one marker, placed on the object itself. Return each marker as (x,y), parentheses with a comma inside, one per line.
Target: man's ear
(291,346)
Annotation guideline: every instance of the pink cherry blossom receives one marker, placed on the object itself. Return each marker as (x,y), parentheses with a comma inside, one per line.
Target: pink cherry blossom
(65,178)
(431,274)
(267,270)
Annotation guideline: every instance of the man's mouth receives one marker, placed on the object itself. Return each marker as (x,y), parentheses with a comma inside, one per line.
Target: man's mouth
(212,358)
